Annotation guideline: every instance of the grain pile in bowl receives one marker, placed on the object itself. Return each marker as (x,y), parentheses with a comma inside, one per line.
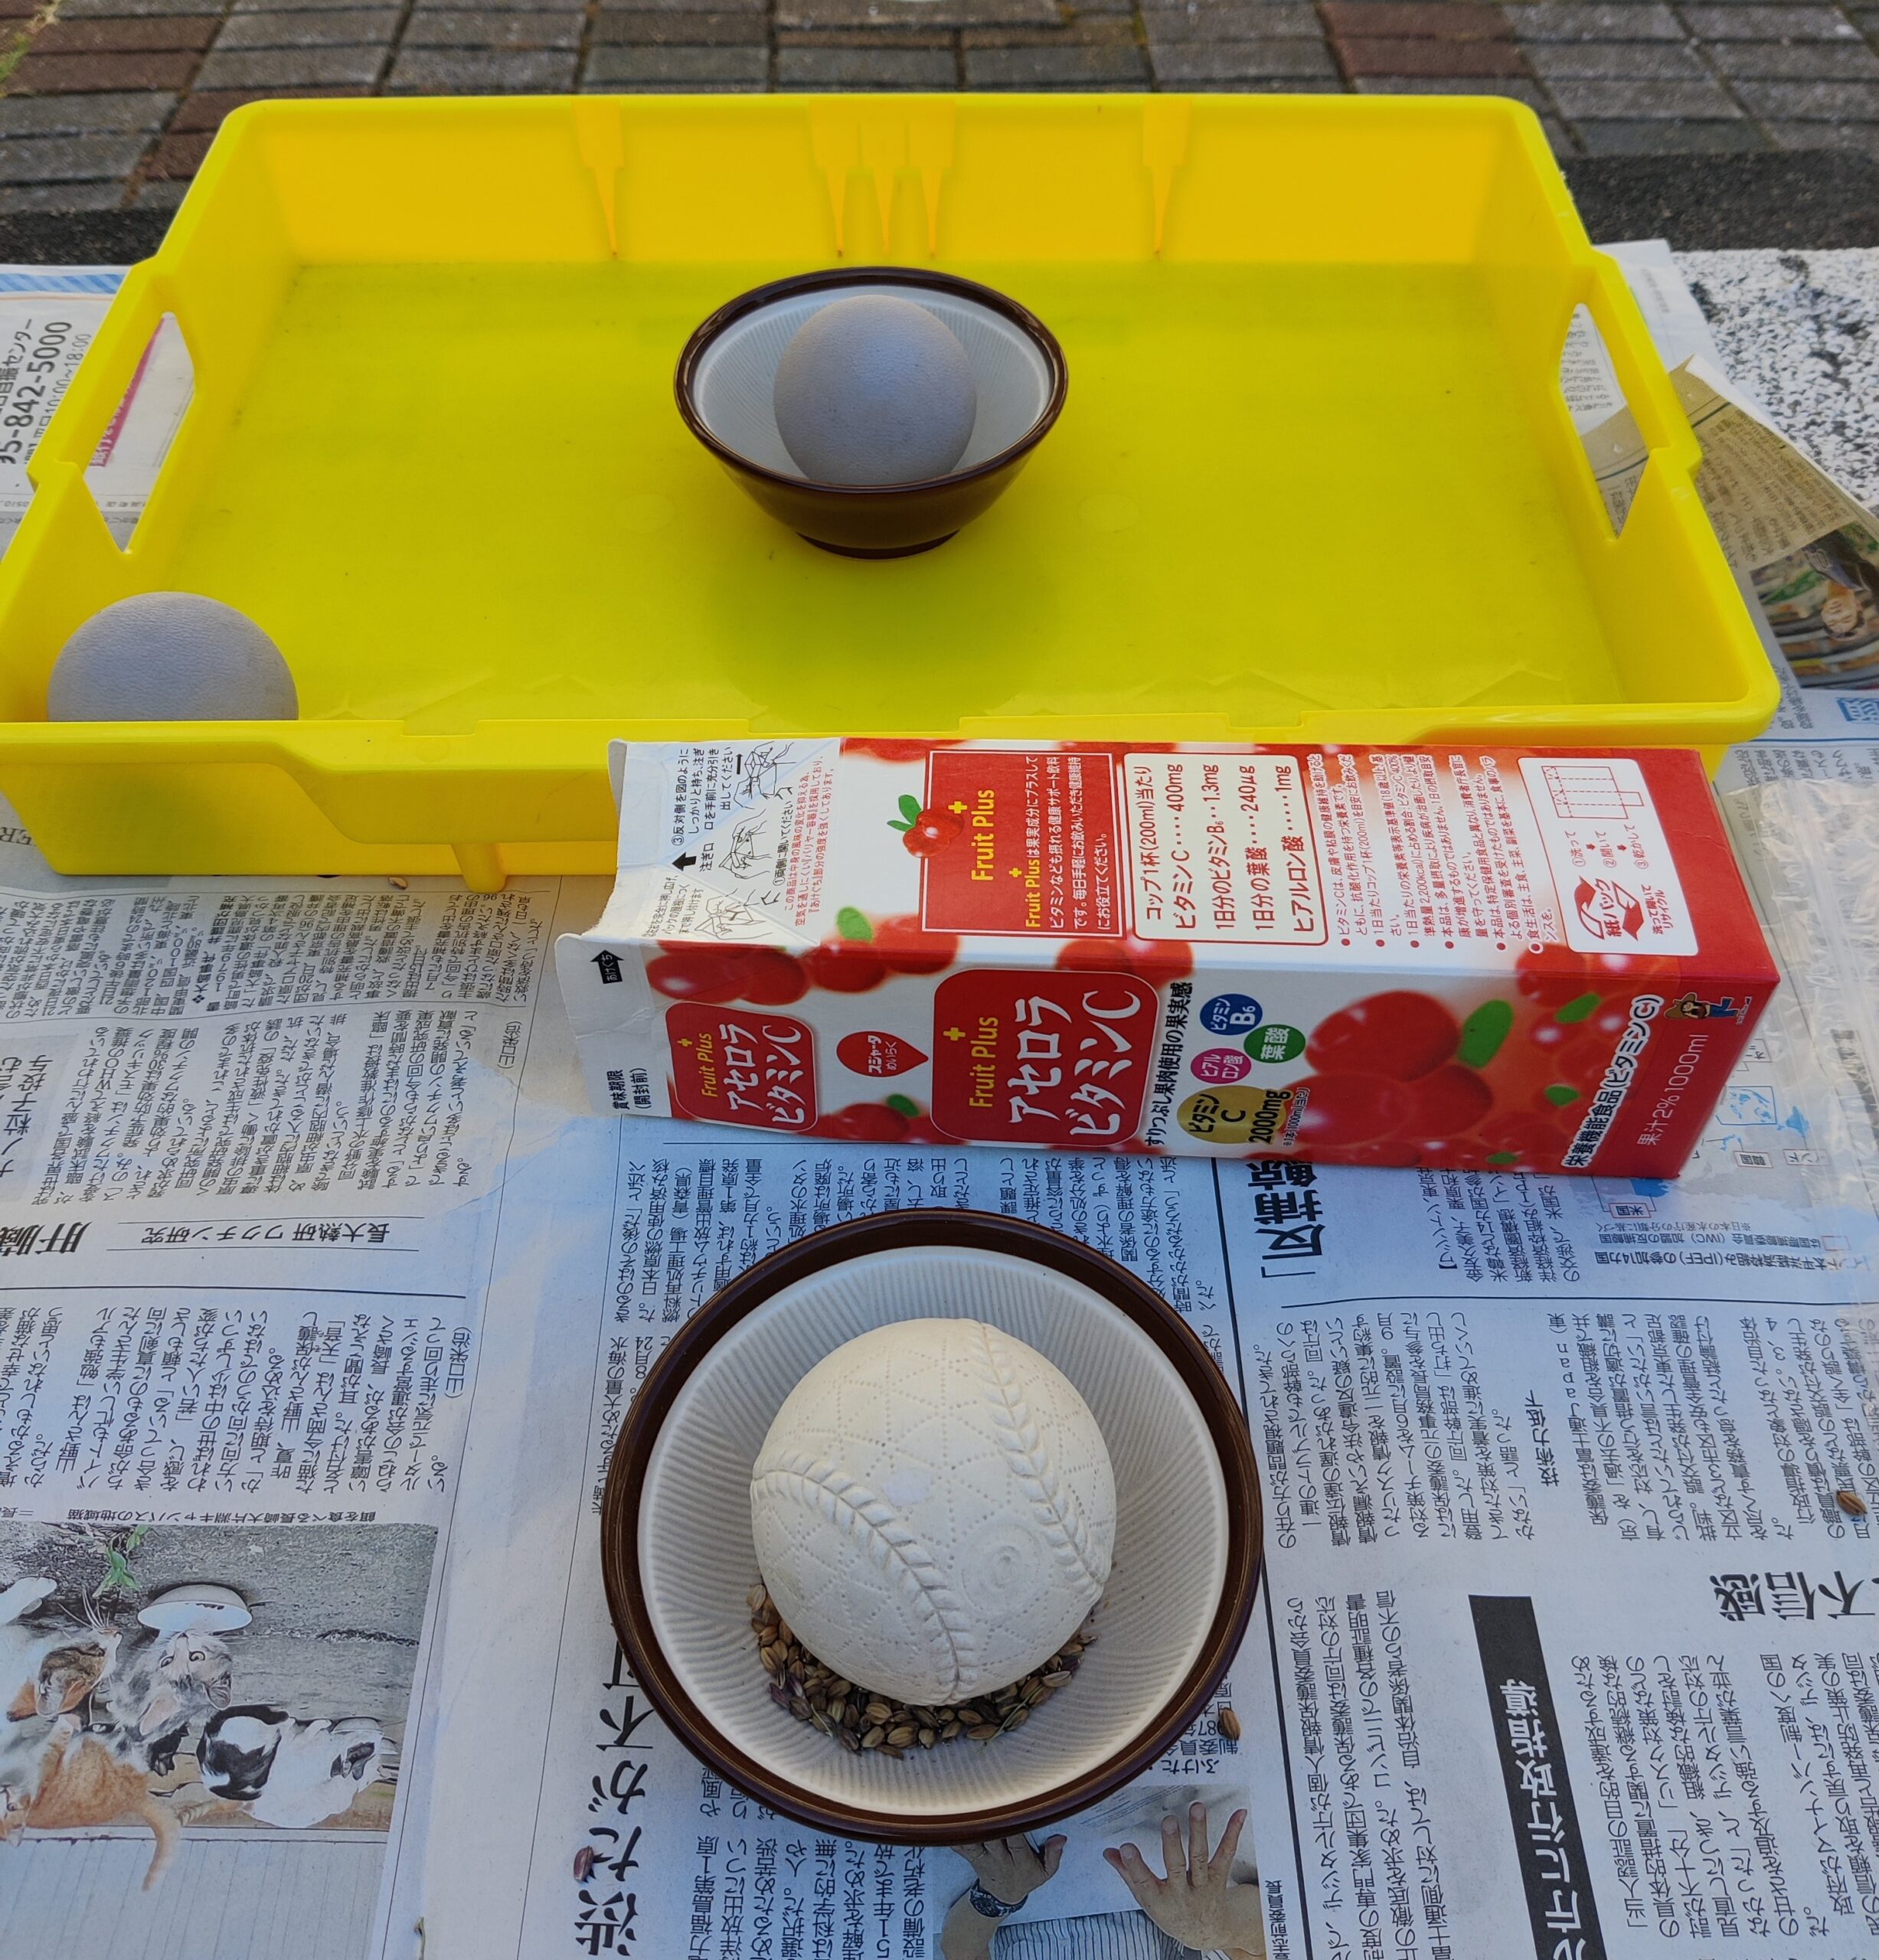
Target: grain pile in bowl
(859,1719)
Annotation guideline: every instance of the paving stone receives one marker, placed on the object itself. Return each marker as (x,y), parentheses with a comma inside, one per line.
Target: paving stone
(666,8)
(481,71)
(1659,138)
(1242,61)
(63,74)
(877,38)
(1167,27)
(509,29)
(1643,101)
(1286,86)
(1454,58)
(16,197)
(162,193)
(1560,20)
(68,159)
(1760,23)
(343,27)
(1099,33)
(84,115)
(204,108)
(866,68)
(639,67)
(179,156)
(934,14)
(1615,60)
(1812,102)
(148,33)
(103,10)
(680,30)
(1514,88)
(674,88)
(1392,20)
(290,67)
(1797,61)
(1052,67)
(1862,136)
(245,7)
(1866,19)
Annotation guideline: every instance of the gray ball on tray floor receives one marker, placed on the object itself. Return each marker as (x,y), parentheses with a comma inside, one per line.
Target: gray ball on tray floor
(875,390)
(171,656)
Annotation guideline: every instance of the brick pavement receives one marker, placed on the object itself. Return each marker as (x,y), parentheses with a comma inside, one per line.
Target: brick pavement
(112,104)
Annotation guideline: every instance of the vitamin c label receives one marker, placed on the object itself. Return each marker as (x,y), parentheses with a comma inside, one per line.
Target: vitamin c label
(1042,1059)
(738,1065)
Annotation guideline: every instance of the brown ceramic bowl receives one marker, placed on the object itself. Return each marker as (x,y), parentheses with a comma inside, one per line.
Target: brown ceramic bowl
(678,1558)
(727,371)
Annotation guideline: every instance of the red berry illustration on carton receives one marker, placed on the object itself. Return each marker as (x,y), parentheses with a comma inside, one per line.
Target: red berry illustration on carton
(1492,961)
(924,830)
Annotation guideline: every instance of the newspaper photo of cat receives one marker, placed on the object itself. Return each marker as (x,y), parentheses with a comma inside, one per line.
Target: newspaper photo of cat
(178,1684)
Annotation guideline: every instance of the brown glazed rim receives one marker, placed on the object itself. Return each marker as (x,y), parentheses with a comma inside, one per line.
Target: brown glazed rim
(759,296)
(893,1231)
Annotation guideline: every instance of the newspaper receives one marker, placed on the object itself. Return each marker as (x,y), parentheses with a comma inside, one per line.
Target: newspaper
(319,1282)
(1809,549)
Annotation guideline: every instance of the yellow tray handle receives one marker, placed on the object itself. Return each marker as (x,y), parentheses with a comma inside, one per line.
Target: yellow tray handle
(1647,392)
(105,375)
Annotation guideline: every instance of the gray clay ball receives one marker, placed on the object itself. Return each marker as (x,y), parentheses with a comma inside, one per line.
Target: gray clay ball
(171,656)
(875,390)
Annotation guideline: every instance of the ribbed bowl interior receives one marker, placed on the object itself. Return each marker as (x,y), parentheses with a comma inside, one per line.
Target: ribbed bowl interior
(734,382)
(698,1561)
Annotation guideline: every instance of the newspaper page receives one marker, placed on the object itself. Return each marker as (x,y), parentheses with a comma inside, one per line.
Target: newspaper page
(323,1292)
(253,1139)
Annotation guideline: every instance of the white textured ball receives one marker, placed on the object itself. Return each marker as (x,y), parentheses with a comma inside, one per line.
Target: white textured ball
(171,656)
(934,1510)
(874,390)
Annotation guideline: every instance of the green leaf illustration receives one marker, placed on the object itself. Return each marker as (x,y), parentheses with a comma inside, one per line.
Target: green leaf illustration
(1584,1008)
(892,824)
(118,1576)
(904,1105)
(909,808)
(1559,1094)
(1502,1157)
(1483,1032)
(852,923)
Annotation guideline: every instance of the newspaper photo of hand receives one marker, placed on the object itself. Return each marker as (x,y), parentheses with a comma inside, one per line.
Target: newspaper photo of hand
(1196,1903)
(1197,1907)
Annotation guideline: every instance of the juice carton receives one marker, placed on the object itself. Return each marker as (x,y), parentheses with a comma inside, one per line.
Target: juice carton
(1477,959)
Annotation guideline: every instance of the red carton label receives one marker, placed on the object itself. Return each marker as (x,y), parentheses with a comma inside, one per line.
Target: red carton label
(1457,959)
(733,1065)
(1042,1059)
(1037,852)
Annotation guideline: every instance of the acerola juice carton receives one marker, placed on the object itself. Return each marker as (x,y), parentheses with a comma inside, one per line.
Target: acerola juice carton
(1479,959)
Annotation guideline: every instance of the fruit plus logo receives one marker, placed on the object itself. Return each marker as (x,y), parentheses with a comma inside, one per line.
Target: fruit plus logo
(1607,910)
(731,1065)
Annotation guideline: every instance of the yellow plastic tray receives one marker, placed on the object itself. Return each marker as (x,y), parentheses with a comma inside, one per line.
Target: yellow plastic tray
(1316,480)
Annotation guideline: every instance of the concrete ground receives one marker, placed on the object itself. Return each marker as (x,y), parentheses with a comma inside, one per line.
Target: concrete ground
(111,104)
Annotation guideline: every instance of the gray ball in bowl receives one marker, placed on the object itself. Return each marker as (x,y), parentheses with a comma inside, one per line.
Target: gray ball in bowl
(875,390)
(171,656)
